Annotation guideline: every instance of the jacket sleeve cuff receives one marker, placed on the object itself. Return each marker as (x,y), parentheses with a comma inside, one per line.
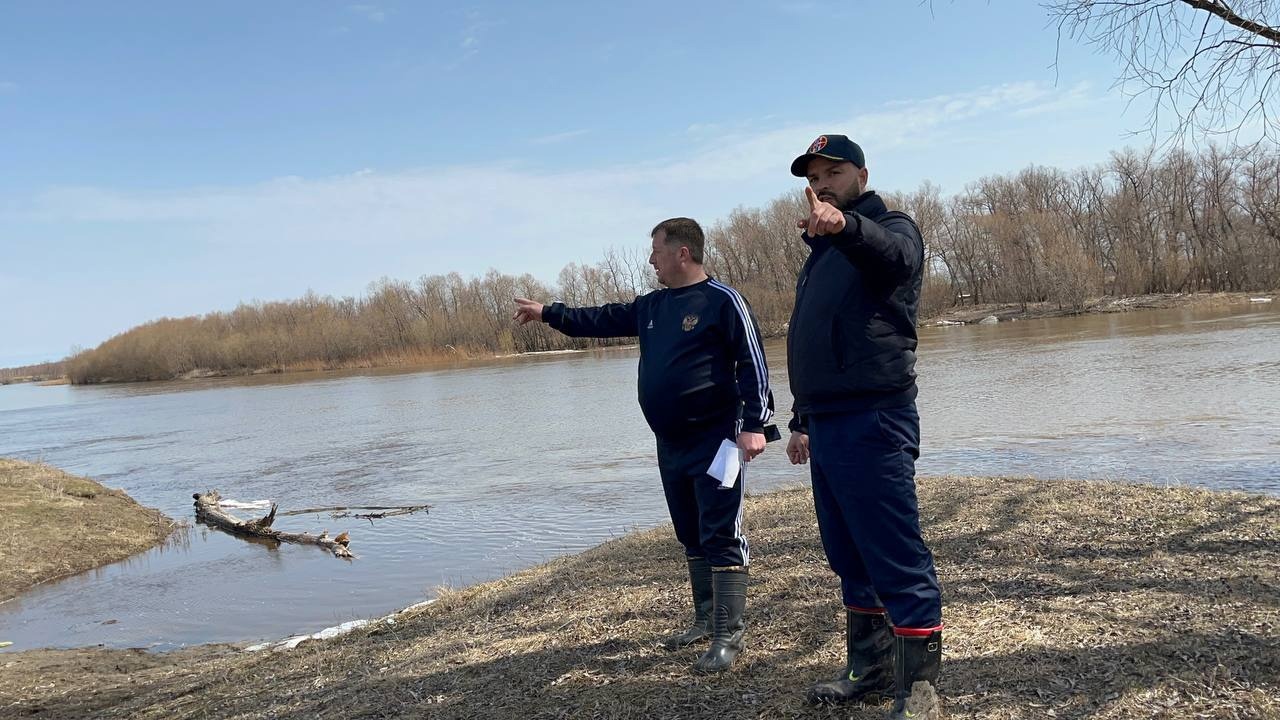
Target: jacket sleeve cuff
(852,233)
(846,238)
(552,314)
(798,424)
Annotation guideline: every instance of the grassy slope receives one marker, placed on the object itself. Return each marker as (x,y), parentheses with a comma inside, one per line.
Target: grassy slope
(54,524)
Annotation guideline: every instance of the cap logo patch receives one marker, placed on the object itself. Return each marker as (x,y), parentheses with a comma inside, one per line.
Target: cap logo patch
(818,144)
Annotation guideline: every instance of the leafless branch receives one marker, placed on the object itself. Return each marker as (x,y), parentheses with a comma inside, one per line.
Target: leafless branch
(1209,64)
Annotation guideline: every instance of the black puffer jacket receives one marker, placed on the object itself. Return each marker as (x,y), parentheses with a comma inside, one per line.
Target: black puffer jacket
(851,344)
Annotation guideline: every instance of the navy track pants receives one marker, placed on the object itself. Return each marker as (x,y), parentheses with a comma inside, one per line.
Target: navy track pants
(862,464)
(707,517)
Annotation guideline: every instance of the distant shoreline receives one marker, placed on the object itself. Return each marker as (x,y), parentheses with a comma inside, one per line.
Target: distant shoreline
(973,314)
(985,313)
(37,379)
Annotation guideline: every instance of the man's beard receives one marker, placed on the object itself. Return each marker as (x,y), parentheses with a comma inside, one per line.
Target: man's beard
(846,202)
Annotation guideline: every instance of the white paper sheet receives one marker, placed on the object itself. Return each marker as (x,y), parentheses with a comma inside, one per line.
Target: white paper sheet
(727,464)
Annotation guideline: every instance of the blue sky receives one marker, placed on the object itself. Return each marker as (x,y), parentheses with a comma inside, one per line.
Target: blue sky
(166,159)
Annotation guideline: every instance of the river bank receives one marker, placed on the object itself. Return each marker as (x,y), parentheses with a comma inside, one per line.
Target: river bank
(1063,599)
(970,314)
(38,379)
(54,524)
(453,357)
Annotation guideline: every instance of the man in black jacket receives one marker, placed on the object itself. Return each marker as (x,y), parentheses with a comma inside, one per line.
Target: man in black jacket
(704,390)
(851,351)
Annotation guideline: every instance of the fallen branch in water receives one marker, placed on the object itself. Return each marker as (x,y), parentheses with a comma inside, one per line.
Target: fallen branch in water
(407,510)
(340,511)
(209,512)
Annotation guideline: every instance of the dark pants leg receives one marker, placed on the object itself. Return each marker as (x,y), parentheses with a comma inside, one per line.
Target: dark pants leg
(865,494)
(707,517)
(837,540)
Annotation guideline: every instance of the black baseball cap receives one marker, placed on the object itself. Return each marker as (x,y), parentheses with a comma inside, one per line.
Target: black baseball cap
(831,147)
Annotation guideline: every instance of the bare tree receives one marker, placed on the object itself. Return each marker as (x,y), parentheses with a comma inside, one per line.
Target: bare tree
(1214,64)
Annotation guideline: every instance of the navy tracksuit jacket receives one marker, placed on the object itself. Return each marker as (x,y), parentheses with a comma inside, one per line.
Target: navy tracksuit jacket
(702,379)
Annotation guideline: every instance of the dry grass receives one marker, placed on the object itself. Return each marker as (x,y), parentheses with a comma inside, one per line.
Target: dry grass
(1063,599)
(53,524)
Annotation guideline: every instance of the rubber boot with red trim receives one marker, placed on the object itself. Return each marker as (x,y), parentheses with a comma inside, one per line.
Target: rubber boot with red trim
(917,658)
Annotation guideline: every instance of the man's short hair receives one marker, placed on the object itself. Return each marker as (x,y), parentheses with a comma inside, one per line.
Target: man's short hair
(683,231)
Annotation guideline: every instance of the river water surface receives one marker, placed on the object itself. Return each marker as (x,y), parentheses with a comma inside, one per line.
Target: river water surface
(531,458)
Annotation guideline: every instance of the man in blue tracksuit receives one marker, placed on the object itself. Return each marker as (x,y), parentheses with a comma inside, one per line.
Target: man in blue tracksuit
(704,389)
(851,351)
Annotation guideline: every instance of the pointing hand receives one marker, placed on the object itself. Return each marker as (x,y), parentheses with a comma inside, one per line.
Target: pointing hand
(824,218)
(527,311)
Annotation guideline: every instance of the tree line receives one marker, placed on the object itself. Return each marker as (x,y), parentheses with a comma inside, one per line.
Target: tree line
(1143,222)
(32,373)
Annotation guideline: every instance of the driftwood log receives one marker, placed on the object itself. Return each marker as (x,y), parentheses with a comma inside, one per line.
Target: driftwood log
(209,512)
(341,511)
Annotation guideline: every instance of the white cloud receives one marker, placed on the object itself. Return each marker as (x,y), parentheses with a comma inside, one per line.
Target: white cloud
(470,217)
(196,249)
(799,7)
(476,26)
(560,137)
(1075,98)
(371,12)
(703,128)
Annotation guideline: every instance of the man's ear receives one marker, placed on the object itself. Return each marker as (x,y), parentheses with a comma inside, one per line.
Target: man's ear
(685,253)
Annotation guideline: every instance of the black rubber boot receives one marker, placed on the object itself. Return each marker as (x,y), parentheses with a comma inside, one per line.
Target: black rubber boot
(730,599)
(916,661)
(700,581)
(868,669)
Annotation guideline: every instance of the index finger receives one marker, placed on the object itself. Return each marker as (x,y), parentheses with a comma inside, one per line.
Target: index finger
(812,197)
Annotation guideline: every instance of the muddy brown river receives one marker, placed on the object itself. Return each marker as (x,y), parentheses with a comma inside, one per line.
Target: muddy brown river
(531,458)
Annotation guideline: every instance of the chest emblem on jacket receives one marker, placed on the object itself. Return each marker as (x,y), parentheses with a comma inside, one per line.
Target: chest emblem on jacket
(690,322)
